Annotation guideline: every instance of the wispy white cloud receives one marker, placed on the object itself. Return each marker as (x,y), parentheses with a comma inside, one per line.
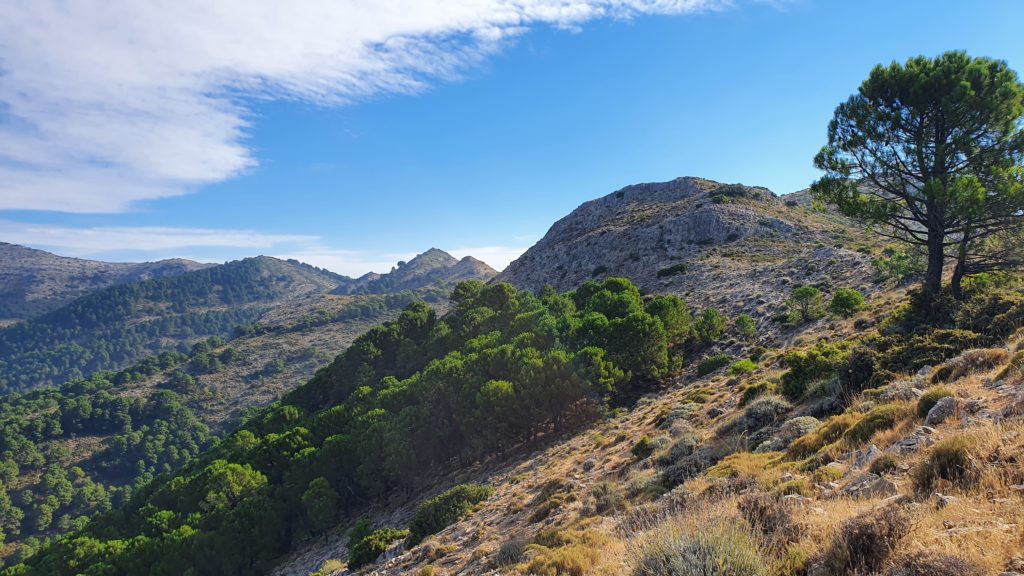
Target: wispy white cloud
(73,241)
(107,102)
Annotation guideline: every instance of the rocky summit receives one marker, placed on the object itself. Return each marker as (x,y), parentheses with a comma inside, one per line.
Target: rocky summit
(738,248)
(433,268)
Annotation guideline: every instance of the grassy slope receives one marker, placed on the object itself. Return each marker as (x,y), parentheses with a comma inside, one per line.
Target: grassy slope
(586,531)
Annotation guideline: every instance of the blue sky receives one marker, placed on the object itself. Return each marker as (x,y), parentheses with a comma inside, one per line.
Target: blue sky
(221,135)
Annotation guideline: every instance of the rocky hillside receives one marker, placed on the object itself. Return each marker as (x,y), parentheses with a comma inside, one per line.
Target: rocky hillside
(433,268)
(33,282)
(737,248)
(118,325)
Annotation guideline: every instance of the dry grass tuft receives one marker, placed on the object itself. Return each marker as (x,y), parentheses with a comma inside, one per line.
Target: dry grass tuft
(866,541)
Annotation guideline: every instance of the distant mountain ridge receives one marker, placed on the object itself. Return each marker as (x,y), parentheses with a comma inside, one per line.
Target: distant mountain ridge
(110,328)
(433,268)
(33,282)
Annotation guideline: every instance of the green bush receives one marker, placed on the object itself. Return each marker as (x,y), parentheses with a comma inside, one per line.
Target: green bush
(756,390)
(930,398)
(445,509)
(949,460)
(846,302)
(813,365)
(742,367)
(709,325)
(879,418)
(931,349)
(806,303)
(745,326)
(898,265)
(643,448)
(884,464)
(672,270)
(371,547)
(711,363)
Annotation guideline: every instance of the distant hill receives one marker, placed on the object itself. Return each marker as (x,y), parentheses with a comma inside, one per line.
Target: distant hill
(738,248)
(433,268)
(115,326)
(33,282)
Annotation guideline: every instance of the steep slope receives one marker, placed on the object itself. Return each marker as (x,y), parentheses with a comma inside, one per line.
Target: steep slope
(433,268)
(83,447)
(115,326)
(734,247)
(33,282)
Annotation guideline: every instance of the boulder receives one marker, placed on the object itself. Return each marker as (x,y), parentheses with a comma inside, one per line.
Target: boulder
(870,485)
(942,410)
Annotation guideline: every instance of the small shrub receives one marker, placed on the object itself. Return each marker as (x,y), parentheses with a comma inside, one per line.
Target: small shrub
(745,326)
(829,432)
(444,509)
(930,398)
(712,549)
(813,365)
(975,361)
(846,302)
(598,270)
(742,367)
(763,411)
(683,448)
(607,498)
(770,517)
(511,552)
(932,564)
(879,418)
(742,465)
(827,474)
(643,448)
(884,464)
(711,363)
(672,270)
(755,391)
(866,541)
(949,460)
(932,349)
(1014,368)
(799,486)
(709,325)
(329,567)
(371,547)
(806,303)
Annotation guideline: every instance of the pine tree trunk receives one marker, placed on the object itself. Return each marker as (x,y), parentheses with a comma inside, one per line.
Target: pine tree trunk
(959,272)
(936,260)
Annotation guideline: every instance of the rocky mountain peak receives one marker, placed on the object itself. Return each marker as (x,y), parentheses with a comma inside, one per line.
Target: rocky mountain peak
(731,246)
(433,268)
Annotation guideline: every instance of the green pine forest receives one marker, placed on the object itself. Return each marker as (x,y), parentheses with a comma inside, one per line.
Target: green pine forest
(419,394)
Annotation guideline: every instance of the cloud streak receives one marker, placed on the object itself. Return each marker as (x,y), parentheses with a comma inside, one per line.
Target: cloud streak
(104,103)
(151,242)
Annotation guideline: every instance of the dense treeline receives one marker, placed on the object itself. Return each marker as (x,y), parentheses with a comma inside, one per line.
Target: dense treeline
(46,489)
(361,307)
(119,325)
(409,397)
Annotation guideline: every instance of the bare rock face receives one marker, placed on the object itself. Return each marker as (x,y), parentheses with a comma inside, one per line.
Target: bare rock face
(734,247)
(433,268)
